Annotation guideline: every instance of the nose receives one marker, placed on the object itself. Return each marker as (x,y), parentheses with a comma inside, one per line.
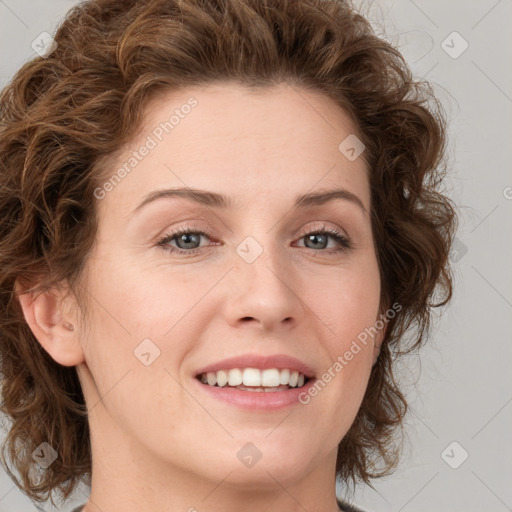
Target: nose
(264,292)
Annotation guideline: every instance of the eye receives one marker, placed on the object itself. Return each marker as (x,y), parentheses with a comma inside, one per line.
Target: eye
(187,240)
(318,240)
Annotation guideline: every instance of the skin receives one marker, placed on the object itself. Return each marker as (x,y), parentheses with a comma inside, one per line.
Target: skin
(158,442)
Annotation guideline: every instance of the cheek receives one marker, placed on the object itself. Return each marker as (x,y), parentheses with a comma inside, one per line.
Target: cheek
(348,309)
(141,315)
(347,303)
(143,300)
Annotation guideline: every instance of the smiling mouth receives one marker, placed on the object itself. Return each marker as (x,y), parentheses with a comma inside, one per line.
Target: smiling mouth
(254,380)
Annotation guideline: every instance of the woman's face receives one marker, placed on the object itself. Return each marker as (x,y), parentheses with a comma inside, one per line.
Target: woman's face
(265,280)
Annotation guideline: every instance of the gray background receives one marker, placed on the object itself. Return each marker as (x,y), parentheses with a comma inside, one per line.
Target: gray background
(463,392)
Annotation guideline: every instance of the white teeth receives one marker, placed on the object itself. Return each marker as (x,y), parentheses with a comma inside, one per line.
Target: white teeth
(235,377)
(251,377)
(222,378)
(212,378)
(270,378)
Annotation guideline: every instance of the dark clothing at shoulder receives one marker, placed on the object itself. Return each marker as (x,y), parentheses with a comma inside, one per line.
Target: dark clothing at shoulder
(346,507)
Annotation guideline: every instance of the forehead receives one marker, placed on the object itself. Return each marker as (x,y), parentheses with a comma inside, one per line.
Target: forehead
(269,143)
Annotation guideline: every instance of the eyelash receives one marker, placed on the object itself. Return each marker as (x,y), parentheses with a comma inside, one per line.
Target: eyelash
(163,243)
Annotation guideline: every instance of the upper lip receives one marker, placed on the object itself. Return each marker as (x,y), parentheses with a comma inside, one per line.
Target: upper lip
(279,361)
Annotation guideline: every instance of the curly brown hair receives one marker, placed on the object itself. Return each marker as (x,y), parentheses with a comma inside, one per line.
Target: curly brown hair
(63,115)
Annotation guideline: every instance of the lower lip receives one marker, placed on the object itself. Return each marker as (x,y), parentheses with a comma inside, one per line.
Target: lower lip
(262,400)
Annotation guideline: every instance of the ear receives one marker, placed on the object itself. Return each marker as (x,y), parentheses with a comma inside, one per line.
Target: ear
(50,318)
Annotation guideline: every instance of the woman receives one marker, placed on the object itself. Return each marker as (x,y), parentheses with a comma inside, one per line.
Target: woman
(221,221)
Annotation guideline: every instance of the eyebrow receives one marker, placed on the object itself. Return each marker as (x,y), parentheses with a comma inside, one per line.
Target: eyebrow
(216,200)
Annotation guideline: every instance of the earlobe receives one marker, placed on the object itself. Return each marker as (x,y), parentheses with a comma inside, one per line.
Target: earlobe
(52,325)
